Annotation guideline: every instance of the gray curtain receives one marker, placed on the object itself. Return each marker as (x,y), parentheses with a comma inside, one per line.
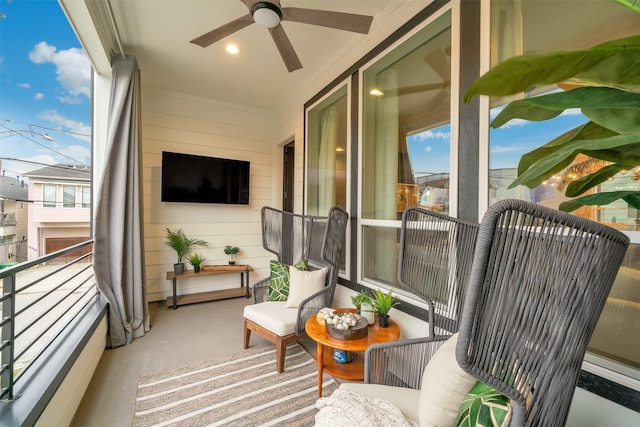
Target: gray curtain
(119,249)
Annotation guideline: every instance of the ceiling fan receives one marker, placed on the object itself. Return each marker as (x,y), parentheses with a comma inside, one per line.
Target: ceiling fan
(269,14)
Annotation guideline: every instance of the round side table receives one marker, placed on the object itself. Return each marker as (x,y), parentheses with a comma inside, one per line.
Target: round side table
(352,371)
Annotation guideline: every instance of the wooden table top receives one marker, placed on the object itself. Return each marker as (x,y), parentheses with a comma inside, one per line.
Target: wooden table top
(208,270)
(317,332)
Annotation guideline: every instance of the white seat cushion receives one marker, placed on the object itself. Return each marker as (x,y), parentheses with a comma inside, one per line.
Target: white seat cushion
(273,316)
(406,399)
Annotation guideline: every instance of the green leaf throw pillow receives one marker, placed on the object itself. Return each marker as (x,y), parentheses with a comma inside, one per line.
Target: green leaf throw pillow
(484,406)
(279,280)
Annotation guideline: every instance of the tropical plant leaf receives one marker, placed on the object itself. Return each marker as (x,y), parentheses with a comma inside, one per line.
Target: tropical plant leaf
(627,155)
(561,158)
(612,64)
(588,130)
(579,186)
(594,100)
(621,120)
(631,4)
(631,197)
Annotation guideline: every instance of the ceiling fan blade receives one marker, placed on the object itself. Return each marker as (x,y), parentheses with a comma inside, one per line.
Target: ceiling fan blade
(440,62)
(408,90)
(325,18)
(221,32)
(285,48)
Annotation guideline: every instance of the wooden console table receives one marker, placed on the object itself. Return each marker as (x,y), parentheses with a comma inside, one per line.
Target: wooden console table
(209,270)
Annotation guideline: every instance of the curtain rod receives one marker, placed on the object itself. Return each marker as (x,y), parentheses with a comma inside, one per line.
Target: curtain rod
(115,29)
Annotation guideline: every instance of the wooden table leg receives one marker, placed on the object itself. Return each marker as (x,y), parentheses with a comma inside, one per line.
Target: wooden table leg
(320,360)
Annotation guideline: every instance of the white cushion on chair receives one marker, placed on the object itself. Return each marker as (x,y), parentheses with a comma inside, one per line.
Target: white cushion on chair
(406,399)
(273,316)
(444,386)
(303,284)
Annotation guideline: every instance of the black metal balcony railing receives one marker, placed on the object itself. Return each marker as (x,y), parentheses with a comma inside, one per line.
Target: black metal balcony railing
(40,299)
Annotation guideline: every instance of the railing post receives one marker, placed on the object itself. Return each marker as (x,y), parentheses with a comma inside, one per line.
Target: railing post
(8,334)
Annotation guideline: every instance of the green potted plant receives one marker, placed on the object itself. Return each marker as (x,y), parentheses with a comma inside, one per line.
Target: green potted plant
(361,297)
(383,302)
(195,260)
(231,252)
(364,304)
(179,242)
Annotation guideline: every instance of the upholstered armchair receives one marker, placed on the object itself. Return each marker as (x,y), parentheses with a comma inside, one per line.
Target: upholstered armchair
(292,238)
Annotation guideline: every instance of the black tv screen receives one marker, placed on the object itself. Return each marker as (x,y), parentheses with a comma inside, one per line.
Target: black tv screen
(198,179)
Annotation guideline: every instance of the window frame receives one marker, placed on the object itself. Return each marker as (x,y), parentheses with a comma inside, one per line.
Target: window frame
(67,203)
(86,197)
(46,202)
(453,9)
(611,370)
(345,83)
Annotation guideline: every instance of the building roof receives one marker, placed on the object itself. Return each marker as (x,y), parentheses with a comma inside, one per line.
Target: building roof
(12,189)
(61,172)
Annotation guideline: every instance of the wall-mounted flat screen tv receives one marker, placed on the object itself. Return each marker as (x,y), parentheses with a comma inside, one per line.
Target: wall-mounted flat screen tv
(197,179)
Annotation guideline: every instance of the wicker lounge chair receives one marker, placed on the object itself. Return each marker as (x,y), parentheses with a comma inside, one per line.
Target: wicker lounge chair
(291,238)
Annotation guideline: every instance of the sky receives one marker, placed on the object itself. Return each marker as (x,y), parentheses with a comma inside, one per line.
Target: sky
(430,150)
(45,88)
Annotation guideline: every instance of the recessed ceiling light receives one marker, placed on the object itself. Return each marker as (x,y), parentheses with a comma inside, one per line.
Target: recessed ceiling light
(376,92)
(232,49)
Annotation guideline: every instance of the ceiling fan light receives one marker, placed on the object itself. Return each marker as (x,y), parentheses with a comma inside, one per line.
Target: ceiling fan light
(266,14)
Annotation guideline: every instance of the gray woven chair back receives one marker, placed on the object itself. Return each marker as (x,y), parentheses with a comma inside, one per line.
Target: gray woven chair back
(436,252)
(292,237)
(539,281)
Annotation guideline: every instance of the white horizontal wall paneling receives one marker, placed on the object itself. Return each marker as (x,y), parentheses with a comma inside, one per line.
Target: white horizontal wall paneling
(187,124)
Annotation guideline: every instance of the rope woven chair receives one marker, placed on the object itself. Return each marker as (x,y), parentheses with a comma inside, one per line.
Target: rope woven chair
(539,281)
(291,238)
(436,253)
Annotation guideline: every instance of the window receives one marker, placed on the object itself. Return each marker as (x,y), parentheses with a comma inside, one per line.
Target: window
(405,141)
(69,196)
(86,197)
(615,342)
(327,153)
(49,196)
(327,140)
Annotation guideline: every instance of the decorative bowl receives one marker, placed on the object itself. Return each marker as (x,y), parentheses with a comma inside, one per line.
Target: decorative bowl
(353,332)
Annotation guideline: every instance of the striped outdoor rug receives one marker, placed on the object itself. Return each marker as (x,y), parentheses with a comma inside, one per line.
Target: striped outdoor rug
(241,389)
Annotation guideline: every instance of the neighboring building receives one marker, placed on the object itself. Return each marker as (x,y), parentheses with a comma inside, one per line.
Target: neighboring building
(13,219)
(61,210)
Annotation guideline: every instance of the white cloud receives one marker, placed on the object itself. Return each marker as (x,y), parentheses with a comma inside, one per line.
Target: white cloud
(78,152)
(65,124)
(21,168)
(429,134)
(515,123)
(39,96)
(69,99)
(572,112)
(499,149)
(72,67)
(427,148)
(24,85)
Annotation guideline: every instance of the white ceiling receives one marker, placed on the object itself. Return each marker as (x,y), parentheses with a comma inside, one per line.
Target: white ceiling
(158,34)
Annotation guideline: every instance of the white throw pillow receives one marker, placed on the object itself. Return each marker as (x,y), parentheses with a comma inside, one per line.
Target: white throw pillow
(444,386)
(303,284)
